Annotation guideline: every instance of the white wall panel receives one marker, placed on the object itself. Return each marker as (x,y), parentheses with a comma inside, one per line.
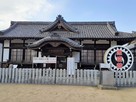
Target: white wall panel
(6,43)
(87,42)
(76,56)
(0,52)
(113,43)
(102,42)
(6,54)
(17,41)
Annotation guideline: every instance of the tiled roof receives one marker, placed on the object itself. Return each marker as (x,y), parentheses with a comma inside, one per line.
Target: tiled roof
(54,37)
(1,33)
(59,23)
(102,30)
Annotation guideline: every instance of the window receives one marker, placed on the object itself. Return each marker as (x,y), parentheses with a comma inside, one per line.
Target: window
(16,55)
(99,56)
(93,53)
(88,56)
(29,54)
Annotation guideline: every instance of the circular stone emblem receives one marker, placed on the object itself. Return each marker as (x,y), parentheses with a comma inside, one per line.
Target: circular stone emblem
(120,58)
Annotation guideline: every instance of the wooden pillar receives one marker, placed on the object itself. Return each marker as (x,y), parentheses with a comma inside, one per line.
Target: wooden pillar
(70,52)
(80,54)
(23,49)
(110,43)
(10,50)
(37,53)
(95,52)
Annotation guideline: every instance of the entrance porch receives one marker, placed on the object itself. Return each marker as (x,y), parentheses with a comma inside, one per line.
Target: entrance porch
(58,47)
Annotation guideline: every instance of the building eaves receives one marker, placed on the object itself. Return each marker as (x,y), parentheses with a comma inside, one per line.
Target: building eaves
(53,38)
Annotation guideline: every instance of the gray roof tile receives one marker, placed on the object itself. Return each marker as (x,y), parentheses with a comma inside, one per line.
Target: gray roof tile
(85,30)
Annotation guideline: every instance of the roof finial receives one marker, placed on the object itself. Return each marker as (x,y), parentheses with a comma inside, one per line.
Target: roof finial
(59,17)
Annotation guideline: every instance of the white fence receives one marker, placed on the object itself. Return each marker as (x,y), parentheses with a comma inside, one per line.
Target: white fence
(60,76)
(125,78)
(48,76)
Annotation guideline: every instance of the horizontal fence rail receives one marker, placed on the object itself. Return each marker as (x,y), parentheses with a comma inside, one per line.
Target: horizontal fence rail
(48,76)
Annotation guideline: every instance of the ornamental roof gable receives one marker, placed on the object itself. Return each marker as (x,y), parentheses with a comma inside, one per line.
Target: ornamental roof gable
(59,25)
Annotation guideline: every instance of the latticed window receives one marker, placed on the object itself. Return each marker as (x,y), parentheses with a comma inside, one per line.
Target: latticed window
(29,54)
(93,54)
(99,56)
(88,56)
(84,56)
(16,55)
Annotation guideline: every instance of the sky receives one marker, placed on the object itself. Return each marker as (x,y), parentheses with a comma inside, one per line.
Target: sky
(123,12)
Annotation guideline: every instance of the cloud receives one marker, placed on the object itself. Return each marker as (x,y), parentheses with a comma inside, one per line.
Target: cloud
(11,10)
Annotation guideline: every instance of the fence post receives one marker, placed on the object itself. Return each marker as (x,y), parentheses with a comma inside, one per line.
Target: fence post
(43,76)
(0,75)
(19,78)
(10,73)
(134,77)
(6,75)
(3,75)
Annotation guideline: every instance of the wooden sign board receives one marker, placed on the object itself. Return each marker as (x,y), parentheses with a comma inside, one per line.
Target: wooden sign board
(44,59)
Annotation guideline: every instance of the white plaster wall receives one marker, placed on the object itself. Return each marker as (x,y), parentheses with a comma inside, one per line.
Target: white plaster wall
(6,43)
(40,54)
(0,52)
(87,42)
(97,42)
(6,55)
(113,43)
(17,41)
(76,56)
(102,42)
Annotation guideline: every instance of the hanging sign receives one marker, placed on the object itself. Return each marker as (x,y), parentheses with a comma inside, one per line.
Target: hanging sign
(120,58)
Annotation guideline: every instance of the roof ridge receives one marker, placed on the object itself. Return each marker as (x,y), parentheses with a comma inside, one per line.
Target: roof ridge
(29,22)
(71,22)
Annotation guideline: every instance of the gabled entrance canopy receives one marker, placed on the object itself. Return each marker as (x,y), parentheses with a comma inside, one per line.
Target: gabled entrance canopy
(55,40)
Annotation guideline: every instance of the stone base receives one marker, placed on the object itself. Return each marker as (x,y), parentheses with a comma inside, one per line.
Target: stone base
(107,87)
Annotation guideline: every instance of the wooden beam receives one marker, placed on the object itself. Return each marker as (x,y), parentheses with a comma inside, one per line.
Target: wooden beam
(23,50)
(9,50)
